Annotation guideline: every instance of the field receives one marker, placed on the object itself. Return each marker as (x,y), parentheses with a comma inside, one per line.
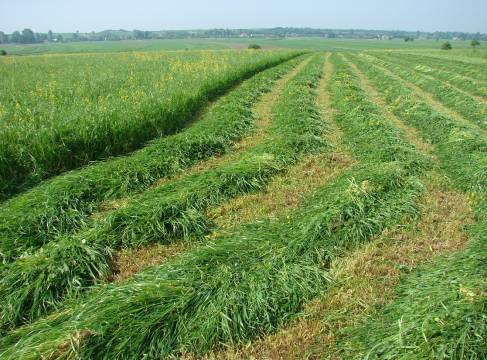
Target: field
(222,44)
(310,200)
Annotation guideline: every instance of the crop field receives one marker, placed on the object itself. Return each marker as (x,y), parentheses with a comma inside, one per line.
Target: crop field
(244,204)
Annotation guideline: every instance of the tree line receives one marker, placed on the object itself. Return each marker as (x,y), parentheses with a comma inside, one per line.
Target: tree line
(28,36)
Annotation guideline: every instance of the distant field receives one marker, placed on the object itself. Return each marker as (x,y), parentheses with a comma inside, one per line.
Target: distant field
(190,44)
(243,204)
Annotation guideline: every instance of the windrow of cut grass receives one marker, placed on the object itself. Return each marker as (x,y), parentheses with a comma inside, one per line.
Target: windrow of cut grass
(60,112)
(257,277)
(65,203)
(440,309)
(171,211)
(460,148)
(466,106)
(473,86)
(439,312)
(474,71)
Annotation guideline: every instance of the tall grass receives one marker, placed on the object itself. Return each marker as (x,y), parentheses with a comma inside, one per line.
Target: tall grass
(164,213)
(65,203)
(60,112)
(254,279)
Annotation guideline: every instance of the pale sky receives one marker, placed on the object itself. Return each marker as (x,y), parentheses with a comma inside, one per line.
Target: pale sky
(96,15)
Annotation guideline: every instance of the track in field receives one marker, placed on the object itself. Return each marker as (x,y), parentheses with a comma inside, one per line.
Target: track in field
(341,182)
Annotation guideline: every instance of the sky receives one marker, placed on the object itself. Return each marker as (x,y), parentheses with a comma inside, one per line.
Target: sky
(96,15)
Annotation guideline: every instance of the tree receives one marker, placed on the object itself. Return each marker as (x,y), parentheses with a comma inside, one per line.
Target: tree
(254,46)
(28,36)
(3,38)
(3,53)
(474,43)
(446,46)
(408,39)
(16,37)
(50,36)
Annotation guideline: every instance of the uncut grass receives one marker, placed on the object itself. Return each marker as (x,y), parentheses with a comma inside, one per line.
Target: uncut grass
(466,106)
(473,86)
(460,331)
(253,280)
(50,125)
(166,213)
(64,204)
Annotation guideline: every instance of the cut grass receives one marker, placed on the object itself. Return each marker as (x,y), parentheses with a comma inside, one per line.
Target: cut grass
(365,280)
(448,99)
(451,323)
(163,214)
(473,71)
(61,112)
(475,88)
(65,203)
(258,277)
(133,260)
(439,312)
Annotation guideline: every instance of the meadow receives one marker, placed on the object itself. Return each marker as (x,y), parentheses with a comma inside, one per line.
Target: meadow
(326,199)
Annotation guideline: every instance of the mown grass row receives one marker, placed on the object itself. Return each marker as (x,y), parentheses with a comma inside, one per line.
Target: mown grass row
(468,107)
(64,204)
(162,214)
(50,124)
(255,278)
(474,71)
(440,309)
(439,312)
(473,86)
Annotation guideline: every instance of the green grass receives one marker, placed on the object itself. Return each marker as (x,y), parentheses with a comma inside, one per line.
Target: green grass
(240,283)
(473,84)
(439,311)
(319,44)
(64,203)
(60,112)
(167,212)
(255,278)
(468,107)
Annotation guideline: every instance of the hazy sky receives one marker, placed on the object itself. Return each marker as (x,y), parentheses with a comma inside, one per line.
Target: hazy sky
(88,15)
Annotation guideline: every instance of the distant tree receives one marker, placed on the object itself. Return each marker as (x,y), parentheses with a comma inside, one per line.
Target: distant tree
(255,47)
(60,38)
(16,37)
(28,36)
(474,43)
(3,38)
(139,35)
(40,37)
(408,39)
(446,46)
(50,35)
(3,53)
